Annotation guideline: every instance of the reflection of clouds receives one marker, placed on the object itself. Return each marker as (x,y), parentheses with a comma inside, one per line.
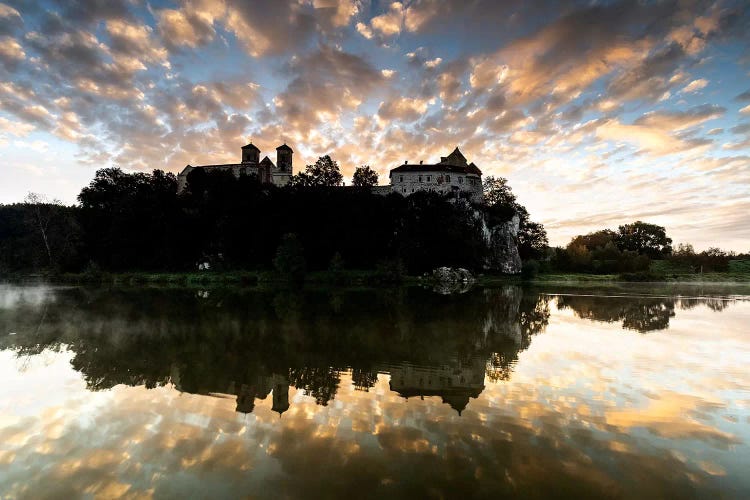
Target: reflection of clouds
(674,416)
(568,420)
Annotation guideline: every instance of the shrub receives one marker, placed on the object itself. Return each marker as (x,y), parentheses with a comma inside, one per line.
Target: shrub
(290,258)
(391,271)
(530,269)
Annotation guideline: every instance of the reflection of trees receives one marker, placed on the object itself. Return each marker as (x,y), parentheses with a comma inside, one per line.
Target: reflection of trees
(499,367)
(642,314)
(363,379)
(320,383)
(224,340)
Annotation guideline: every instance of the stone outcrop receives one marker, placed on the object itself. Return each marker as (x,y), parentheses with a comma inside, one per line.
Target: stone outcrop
(502,246)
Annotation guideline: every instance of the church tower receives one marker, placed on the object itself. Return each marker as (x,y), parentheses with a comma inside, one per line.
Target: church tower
(284,169)
(284,158)
(250,153)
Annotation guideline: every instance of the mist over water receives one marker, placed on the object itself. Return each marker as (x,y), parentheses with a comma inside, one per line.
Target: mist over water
(628,391)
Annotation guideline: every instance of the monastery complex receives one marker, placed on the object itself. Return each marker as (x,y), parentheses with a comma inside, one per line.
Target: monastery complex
(453,174)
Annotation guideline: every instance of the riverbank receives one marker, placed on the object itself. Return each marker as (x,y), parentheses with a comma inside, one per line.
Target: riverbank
(362,278)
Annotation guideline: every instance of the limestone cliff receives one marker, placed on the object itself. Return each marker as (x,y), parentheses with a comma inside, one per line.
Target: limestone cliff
(502,246)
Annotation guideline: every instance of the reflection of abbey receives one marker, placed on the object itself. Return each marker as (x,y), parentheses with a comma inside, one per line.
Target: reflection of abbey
(453,174)
(454,382)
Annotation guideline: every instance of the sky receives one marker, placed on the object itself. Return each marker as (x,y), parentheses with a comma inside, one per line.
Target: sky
(598,113)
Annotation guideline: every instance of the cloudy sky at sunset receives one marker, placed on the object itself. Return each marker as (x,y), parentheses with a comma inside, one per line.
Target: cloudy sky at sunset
(599,113)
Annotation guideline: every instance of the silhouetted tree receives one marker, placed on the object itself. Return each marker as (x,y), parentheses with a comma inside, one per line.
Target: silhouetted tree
(42,211)
(597,239)
(324,172)
(133,221)
(497,191)
(364,176)
(644,238)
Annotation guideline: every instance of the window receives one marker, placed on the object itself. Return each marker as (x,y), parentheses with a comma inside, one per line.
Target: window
(460,180)
(400,178)
(429,178)
(420,178)
(447,178)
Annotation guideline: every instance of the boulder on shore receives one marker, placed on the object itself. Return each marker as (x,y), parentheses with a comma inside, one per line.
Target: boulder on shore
(447,280)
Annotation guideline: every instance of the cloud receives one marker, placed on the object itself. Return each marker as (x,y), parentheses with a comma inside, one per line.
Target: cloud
(339,13)
(10,20)
(324,84)
(6,11)
(745,110)
(402,109)
(389,23)
(651,78)
(11,52)
(269,26)
(133,42)
(364,30)
(678,120)
(191,26)
(743,128)
(19,129)
(650,137)
(695,85)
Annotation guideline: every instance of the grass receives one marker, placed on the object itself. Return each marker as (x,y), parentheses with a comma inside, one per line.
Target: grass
(215,278)
(660,272)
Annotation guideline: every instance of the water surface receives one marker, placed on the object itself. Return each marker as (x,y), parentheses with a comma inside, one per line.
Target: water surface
(622,392)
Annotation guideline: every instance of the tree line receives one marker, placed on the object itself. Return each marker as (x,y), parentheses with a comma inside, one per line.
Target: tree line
(633,248)
(141,222)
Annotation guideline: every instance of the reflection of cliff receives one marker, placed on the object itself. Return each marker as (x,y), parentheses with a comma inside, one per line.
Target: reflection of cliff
(244,343)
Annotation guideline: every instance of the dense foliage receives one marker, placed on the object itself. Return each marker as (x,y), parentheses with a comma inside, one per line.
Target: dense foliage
(632,249)
(43,235)
(499,198)
(364,176)
(140,222)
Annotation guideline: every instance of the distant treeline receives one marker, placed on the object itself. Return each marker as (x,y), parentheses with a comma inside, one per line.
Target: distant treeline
(632,249)
(140,222)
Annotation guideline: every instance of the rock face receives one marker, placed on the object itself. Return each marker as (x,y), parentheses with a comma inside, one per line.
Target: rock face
(502,247)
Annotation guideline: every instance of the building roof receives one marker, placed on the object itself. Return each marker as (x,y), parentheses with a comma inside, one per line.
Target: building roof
(267,161)
(227,165)
(284,147)
(455,158)
(439,167)
(454,162)
(251,146)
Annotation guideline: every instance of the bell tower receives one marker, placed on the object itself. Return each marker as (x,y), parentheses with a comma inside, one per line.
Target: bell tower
(284,159)
(250,153)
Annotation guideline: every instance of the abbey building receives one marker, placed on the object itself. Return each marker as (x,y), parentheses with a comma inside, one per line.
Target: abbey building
(453,174)
(265,170)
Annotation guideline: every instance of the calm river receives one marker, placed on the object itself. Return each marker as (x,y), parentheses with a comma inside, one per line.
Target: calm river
(554,392)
